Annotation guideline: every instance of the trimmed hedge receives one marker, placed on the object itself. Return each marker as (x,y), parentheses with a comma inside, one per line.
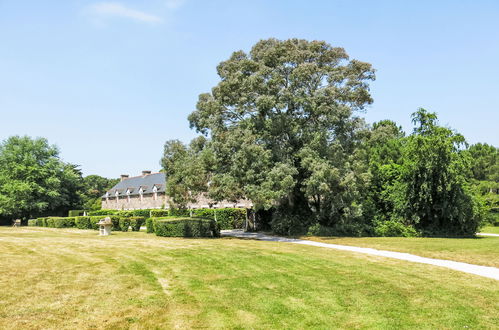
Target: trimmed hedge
(159,213)
(102,212)
(227,218)
(41,222)
(32,222)
(186,227)
(150,225)
(60,222)
(83,223)
(136,223)
(179,213)
(75,213)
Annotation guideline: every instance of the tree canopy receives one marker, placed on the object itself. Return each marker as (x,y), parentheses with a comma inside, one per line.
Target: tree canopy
(33,180)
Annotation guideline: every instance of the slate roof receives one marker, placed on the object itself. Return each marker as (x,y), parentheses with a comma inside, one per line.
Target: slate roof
(134,184)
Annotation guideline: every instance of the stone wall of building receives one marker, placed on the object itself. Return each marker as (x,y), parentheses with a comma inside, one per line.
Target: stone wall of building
(162,201)
(135,202)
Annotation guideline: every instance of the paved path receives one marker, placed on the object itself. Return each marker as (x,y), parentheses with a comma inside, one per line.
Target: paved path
(487,234)
(490,272)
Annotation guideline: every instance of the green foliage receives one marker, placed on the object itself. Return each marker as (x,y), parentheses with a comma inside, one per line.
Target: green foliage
(179,212)
(75,213)
(227,218)
(150,225)
(136,223)
(94,186)
(83,222)
(103,212)
(124,223)
(62,222)
(32,222)
(34,181)
(394,229)
(186,227)
(159,213)
(354,229)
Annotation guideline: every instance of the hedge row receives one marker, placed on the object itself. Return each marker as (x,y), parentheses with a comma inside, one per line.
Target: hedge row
(88,222)
(184,227)
(227,218)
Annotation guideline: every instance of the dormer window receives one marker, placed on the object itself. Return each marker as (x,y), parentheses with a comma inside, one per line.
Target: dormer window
(155,192)
(141,194)
(107,196)
(117,194)
(128,195)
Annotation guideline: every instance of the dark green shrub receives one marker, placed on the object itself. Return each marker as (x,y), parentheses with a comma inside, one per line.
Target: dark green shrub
(61,222)
(394,229)
(150,225)
(75,213)
(124,223)
(32,222)
(83,223)
(41,222)
(186,227)
(136,222)
(116,222)
(94,220)
(227,218)
(347,229)
(50,222)
(159,213)
(179,213)
(141,213)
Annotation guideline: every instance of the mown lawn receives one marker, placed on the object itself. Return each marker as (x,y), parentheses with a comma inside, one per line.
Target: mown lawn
(480,251)
(490,230)
(68,278)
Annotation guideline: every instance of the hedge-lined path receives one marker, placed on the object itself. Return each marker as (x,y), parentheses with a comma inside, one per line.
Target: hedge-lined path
(485,271)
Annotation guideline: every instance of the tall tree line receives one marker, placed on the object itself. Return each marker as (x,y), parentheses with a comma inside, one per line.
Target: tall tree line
(283,128)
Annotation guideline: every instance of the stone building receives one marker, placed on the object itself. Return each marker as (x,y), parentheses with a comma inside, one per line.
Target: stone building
(147,191)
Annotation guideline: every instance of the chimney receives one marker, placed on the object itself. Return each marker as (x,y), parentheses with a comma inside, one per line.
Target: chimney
(144,173)
(124,177)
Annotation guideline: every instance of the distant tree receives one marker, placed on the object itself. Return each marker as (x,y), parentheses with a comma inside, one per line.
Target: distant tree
(435,180)
(34,181)
(187,170)
(485,162)
(94,186)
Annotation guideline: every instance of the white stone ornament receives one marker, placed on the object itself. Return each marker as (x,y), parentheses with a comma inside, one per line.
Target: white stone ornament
(105,226)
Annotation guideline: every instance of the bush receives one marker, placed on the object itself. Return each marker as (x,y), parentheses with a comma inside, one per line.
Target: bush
(136,223)
(41,222)
(50,222)
(124,223)
(186,227)
(94,220)
(179,213)
(150,225)
(102,212)
(75,213)
(141,213)
(60,222)
(83,223)
(394,228)
(159,213)
(227,218)
(347,229)
(32,222)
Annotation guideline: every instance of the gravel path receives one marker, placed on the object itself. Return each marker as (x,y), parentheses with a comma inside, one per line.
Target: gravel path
(487,234)
(490,272)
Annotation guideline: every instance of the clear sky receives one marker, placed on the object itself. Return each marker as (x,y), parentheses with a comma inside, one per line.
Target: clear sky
(109,82)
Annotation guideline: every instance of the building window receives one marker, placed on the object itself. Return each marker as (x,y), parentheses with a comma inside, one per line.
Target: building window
(128,196)
(117,194)
(141,194)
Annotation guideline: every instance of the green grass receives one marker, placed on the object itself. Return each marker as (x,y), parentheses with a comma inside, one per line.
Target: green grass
(490,230)
(69,278)
(480,251)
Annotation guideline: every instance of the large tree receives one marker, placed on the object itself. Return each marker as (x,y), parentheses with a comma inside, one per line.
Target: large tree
(34,181)
(94,186)
(283,131)
(437,197)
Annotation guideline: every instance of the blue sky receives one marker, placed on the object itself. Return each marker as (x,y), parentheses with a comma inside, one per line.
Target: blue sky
(109,82)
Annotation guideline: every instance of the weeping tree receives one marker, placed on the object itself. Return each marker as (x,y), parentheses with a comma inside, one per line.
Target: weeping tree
(283,131)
